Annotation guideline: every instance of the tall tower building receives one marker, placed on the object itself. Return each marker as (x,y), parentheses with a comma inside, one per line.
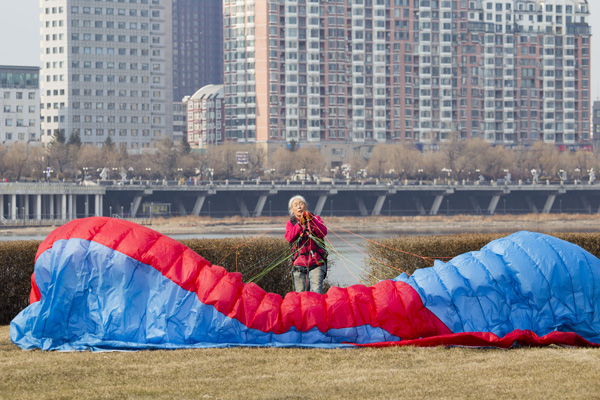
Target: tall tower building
(197,45)
(107,71)
(510,72)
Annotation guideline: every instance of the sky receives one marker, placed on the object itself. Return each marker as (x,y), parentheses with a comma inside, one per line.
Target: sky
(20,33)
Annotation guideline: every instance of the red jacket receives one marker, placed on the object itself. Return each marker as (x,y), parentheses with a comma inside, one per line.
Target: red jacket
(306,250)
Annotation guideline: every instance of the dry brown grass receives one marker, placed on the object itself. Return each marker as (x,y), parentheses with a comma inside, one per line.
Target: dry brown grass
(257,373)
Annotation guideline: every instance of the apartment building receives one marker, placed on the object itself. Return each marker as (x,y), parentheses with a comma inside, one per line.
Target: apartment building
(179,121)
(350,73)
(107,71)
(205,116)
(19,104)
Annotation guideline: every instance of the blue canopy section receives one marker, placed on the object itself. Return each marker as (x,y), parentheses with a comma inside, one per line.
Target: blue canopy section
(524,281)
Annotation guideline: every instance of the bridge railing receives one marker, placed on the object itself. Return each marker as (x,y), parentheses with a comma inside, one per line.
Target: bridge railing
(40,186)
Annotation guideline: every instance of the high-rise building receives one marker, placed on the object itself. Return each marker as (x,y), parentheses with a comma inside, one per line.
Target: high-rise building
(19,104)
(107,71)
(197,45)
(179,121)
(510,72)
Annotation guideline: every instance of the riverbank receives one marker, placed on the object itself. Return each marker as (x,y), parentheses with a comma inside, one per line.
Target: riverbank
(397,225)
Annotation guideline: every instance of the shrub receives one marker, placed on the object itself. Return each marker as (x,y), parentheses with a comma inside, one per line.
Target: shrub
(250,256)
(16,267)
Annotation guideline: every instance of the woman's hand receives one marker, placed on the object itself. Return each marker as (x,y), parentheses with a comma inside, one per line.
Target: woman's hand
(306,217)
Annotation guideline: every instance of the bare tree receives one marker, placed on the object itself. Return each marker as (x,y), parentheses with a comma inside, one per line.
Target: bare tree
(223,161)
(432,164)
(451,152)
(522,163)
(473,157)
(357,162)
(3,153)
(460,158)
(256,161)
(405,160)
(17,160)
(584,162)
(196,163)
(187,165)
(137,164)
(498,159)
(546,157)
(381,160)
(164,160)
(89,160)
(283,161)
(310,160)
(36,163)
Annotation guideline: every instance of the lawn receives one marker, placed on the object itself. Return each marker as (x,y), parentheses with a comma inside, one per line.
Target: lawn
(266,373)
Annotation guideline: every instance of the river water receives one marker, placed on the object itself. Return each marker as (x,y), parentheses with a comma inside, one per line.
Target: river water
(346,249)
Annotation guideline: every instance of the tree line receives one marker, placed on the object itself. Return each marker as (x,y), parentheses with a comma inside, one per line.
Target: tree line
(70,160)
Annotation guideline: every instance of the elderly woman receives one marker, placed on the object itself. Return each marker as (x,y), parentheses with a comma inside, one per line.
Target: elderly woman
(305,232)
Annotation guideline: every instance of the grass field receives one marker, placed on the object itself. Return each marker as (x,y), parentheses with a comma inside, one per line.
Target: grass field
(259,373)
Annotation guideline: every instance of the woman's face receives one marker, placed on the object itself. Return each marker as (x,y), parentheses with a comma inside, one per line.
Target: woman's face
(298,207)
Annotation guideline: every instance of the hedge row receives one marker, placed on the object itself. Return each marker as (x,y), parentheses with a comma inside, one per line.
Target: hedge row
(390,257)
(250,256)
(16,267)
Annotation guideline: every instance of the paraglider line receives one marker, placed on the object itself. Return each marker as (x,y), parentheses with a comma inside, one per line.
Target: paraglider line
(364,270)
(243,244)
(382,245)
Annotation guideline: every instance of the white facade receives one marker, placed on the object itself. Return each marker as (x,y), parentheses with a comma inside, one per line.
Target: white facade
(19,105)
(205,116)
(106,71)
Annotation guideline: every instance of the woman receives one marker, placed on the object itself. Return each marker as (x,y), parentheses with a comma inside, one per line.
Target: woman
(305,232)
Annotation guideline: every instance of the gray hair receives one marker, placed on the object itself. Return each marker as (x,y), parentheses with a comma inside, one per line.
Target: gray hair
(296,197)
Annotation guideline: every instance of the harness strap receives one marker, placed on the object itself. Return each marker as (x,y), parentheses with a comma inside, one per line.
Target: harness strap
(301,268)
(320,251)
